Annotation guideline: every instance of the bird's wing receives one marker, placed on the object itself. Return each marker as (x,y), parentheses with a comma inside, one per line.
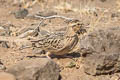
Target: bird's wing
(51,43)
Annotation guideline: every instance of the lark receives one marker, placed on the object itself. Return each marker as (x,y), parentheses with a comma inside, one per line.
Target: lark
(61,44)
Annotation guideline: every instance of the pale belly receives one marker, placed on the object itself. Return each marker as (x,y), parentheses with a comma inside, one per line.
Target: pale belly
(67,48)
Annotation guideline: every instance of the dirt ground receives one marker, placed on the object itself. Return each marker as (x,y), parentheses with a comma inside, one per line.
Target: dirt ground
(96,13)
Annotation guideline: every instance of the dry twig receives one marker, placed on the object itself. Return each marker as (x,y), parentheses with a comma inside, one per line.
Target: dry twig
(54,16)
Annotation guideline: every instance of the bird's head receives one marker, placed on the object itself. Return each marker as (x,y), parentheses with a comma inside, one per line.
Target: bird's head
(77,26)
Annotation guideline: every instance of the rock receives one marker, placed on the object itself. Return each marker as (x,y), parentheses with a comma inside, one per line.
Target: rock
(21,13)
(103,47)
(6,76)
(35,69)
(101,40)
(103,63)
(90,77)
(79,74)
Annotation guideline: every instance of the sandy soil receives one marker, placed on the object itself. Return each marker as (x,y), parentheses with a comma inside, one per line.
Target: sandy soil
(83,11)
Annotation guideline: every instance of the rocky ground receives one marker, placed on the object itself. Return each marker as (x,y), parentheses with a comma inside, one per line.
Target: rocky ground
(96,57)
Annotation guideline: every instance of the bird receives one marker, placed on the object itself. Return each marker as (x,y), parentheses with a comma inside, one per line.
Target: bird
(61,44)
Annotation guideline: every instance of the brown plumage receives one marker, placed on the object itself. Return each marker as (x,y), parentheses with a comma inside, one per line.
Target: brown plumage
(61,44)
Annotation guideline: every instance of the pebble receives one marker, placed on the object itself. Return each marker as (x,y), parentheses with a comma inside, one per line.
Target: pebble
(21,13)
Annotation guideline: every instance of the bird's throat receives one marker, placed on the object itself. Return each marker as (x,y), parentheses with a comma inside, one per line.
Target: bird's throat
(70,32)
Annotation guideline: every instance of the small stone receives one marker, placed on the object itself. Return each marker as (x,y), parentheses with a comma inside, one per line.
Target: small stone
(21,13)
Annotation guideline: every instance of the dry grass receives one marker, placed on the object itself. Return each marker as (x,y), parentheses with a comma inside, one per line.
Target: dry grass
(85,8)
(30,3)
(65,7)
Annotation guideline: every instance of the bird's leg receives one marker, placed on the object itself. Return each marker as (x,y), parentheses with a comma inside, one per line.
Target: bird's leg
(48,55)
